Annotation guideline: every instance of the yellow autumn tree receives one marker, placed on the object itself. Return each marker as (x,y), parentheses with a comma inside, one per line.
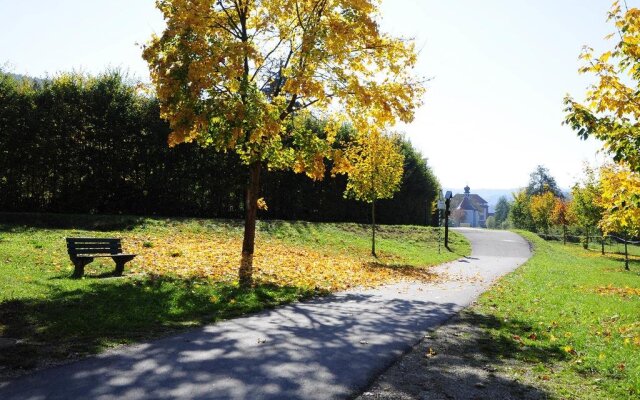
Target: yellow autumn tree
(611,112)
(375,171)
(619,184)
(562,215)
(541,207)
(241,75)
(585,206)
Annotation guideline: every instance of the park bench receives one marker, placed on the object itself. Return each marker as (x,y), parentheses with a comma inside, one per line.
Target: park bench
(83,250)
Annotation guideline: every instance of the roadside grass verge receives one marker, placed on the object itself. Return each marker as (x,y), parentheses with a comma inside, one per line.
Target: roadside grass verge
(570,319)
(184,276)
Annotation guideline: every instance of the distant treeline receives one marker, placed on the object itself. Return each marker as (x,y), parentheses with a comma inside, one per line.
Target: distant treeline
(77,144)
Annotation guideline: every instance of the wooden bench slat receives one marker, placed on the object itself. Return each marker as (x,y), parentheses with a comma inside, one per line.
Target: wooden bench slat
(91,240)
(103,244)
(122,255)
(95,251)
(83,250)
(94,246)
(107,249)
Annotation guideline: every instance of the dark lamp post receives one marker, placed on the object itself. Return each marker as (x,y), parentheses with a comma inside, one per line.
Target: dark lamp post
(447,203)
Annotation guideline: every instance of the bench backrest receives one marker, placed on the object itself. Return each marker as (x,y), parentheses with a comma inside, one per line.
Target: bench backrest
(82,246)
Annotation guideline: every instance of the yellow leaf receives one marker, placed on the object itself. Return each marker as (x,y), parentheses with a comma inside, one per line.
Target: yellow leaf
(262,205)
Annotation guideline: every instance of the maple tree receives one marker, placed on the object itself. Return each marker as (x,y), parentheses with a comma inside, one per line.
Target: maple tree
(563,216)
(374,171)
(619,184)
(520,211)
(586,202)
(542,206)
(611,112)
(242,75)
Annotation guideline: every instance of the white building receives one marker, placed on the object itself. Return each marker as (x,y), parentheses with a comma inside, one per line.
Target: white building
(469,209)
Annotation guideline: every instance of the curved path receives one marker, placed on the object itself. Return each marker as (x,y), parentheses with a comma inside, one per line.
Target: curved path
(322,349)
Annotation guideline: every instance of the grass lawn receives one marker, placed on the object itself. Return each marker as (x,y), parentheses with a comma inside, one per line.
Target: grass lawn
(571,319)
(184,276)
(612,247)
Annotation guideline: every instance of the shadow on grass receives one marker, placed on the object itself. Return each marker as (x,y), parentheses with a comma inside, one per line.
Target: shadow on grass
(451,249)
(307,229)
(16,222)
(406,270)
(383,231)
(634,261)
(72,323)
(511,346)
(103,276)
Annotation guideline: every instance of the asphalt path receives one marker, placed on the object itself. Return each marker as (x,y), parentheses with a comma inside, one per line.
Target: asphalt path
(328,348)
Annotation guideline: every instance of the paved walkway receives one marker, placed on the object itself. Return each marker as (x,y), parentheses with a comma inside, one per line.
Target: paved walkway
(323,349)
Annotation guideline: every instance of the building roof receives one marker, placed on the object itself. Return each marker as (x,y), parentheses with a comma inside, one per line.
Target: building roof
(466,204)
(477,202)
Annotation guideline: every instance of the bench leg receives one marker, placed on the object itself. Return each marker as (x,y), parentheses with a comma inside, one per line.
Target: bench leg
(119,267)
(120,262)
(79,265)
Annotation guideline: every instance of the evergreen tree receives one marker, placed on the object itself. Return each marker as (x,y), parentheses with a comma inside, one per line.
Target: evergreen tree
(541,181)
(502,211)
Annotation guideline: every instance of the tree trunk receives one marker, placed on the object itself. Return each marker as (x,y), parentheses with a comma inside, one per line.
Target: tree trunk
(251,211)
(586,240)
(373,229)
(564,235)
(602,241)
(626,252)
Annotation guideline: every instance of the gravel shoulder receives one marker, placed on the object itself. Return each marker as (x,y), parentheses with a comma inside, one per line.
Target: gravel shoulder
(455,361)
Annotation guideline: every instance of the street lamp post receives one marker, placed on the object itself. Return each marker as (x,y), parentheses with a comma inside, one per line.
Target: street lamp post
(447,203)
(440,210)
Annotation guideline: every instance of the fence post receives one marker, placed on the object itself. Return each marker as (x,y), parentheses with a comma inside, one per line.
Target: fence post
(626,252)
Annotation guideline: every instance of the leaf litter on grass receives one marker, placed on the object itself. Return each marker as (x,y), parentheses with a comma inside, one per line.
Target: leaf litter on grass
(624,292)
(216,257)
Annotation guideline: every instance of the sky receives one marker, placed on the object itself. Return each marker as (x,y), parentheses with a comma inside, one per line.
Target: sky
(498,71)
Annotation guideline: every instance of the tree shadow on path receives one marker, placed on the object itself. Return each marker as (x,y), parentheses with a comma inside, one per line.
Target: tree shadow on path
(326,348)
